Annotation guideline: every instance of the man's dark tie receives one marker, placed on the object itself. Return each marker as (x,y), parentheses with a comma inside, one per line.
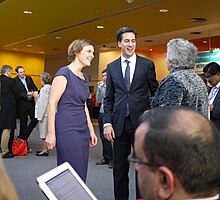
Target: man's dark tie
(127,81)
(127,74)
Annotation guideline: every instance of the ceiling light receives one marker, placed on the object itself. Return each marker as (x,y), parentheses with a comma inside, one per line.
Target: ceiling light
(41,52)
(99,26)
(58,38)
(151,49)
(163,10)
(198,19)
(27,12)
(129,1)
(204,42)
(29,45)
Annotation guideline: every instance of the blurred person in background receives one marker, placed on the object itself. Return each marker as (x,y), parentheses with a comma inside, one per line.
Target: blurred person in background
(106,145)
(26,103)
(41,111)
(212,75)
(9,95)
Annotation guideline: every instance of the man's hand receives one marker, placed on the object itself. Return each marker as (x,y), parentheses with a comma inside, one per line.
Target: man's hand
(109,133)
(211,107)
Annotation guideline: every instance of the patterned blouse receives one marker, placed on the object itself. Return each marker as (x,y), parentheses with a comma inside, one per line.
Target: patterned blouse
(182,87)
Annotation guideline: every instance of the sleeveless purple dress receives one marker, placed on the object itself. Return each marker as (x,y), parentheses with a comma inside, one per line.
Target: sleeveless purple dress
(72,132)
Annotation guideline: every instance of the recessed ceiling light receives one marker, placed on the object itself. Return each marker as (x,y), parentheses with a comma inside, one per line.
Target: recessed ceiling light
(151,49)
(41,52)
(27,12)
(29,45)
(195,33)
(58,38)
(204,42)
(99,26)
(198,19)
(163,10)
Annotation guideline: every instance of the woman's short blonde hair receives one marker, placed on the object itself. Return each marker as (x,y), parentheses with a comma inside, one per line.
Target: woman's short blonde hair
(7,190)
(76,46)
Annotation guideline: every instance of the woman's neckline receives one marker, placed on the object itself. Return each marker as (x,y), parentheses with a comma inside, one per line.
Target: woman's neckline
(82,78)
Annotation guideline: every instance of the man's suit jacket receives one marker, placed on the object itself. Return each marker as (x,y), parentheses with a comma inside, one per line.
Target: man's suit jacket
(215,114)
(23,92)
(9,95)
(117,95)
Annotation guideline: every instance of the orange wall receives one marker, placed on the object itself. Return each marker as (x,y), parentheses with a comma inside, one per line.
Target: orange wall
(33,64)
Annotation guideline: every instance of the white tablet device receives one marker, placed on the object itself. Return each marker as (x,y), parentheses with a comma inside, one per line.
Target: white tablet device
(62,183)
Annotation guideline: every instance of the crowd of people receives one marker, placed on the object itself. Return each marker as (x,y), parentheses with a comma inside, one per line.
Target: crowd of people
(162,128)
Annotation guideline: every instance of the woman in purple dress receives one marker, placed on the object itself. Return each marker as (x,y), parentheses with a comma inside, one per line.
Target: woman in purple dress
(69,125)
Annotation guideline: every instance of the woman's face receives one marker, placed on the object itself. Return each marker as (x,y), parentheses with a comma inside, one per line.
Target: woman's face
(168,63)
(86,56)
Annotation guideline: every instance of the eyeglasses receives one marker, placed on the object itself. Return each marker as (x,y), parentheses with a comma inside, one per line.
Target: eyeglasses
(134,160)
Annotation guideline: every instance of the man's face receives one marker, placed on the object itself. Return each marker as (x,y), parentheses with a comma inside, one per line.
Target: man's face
(147,178)
(21,72)
(213,79)
(127,44)
(104,76)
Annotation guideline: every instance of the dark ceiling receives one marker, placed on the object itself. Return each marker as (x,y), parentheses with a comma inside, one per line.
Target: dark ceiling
(53,25)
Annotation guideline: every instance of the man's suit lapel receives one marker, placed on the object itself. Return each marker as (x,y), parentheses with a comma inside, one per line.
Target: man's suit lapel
(217,97)
(20,82)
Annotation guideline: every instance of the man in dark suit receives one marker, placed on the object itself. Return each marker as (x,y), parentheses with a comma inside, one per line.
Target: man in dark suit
(212,75)
(175,158)
(26,104)
(8,105)
(130,78)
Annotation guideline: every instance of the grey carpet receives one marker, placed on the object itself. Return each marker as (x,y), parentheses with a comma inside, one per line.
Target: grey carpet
(24,171)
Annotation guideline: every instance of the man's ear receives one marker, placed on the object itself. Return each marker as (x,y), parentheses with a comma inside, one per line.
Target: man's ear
(119,44)
(166,182)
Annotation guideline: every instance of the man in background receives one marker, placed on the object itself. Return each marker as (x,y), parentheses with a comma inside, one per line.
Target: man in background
(8,108)
(26,104)
(177,155)
(106,145)
(212,75)
(130,78)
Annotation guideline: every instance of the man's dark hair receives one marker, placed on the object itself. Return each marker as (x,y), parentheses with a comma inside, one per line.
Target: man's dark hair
(123,30)
(212,68)
(103,71)
(17,68)
(190,151)
(5,68)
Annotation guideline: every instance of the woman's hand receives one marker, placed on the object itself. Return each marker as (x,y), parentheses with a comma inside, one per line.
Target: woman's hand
(93,139)
(50,141)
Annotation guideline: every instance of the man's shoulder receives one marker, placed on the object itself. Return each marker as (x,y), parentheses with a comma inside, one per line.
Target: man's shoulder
(114,62)
(143,59)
